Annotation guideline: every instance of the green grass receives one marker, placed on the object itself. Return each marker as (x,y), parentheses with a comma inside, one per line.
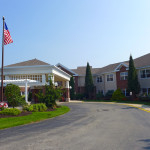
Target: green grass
(34,117)
(119,101)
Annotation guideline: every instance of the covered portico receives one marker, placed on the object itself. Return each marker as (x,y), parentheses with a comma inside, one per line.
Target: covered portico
(35,74)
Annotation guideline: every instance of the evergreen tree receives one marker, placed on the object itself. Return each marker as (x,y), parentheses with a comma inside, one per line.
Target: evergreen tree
(133,84)
(72,90)
(89,86)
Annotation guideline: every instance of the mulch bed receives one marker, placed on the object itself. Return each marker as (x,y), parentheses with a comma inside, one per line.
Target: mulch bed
(23,113)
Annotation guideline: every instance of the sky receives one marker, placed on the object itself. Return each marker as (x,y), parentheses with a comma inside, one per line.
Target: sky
(74,32)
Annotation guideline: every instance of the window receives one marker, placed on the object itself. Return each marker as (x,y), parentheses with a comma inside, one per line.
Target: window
(99,79)
(123,75)
(110,77)
(125,92)
(145,91)
(145,73)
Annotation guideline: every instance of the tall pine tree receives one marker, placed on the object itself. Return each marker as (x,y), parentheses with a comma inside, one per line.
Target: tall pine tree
(133,84)
(72,90)
(89,86)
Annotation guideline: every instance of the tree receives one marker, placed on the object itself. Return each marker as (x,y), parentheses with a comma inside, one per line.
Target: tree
(13,95)
(89,86)
(133,84)
(71,83)
(50,96)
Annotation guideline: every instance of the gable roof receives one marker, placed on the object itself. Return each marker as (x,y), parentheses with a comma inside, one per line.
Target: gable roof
(33,62)
(64,68)
(139,62)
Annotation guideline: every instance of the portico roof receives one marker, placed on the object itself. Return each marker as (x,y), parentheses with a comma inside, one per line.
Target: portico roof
(32,62)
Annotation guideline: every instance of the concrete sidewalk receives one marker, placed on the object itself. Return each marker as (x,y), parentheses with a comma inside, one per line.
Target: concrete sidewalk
(139,106)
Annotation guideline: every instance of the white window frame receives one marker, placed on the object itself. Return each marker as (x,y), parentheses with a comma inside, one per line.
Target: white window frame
(99,79)
(123,75)
(145,73)
(109,77)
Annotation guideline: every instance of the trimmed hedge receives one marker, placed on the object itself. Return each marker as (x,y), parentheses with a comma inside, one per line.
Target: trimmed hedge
(41,107)
(10,111)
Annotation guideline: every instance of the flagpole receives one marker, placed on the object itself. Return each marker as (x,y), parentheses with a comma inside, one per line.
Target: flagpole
(2,77)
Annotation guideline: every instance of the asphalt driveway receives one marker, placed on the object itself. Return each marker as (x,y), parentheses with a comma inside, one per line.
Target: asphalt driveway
(88,126)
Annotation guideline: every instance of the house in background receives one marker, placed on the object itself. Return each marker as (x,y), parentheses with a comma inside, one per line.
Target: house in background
(39,71)
(113,76)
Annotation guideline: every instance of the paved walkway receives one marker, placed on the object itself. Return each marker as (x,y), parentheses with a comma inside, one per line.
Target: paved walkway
(139,106)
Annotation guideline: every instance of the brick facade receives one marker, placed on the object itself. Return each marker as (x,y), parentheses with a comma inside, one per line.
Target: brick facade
(122,84)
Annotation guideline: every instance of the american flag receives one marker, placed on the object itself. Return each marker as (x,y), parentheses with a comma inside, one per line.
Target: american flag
(7,37)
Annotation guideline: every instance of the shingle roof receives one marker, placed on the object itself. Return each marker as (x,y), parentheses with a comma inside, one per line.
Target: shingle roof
(33,62)
(138,62)
(82,70)
(142,61)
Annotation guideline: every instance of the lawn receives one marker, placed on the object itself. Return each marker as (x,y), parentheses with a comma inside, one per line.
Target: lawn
(34,117)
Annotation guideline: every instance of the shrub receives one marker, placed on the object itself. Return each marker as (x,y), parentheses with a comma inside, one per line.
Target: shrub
(36,107)
(12,93)
(50,96)
(109,93)
(79,96)
(144,98)
(118,95)
(99,95)
(10,111)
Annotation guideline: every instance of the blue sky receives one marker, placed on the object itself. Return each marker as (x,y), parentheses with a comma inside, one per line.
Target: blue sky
(74,32)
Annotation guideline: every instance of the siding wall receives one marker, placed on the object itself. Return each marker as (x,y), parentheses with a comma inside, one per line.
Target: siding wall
(110,85)
(144,82)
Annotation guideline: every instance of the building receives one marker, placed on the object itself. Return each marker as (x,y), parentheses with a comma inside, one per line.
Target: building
(25,73)
(113,76)
(108,78)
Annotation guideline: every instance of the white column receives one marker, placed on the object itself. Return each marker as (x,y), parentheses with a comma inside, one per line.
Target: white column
(43,79)
(52,77)
(67,84)
(6,77)
(26,91)
(67,92)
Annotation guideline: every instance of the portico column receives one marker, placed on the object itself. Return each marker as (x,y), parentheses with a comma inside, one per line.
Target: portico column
(26,91)
(67,92)
(43,79)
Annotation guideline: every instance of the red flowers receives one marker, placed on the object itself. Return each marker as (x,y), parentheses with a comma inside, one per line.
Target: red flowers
(3,105)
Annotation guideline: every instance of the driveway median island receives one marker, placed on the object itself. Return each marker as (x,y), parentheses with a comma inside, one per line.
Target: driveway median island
(31,118)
